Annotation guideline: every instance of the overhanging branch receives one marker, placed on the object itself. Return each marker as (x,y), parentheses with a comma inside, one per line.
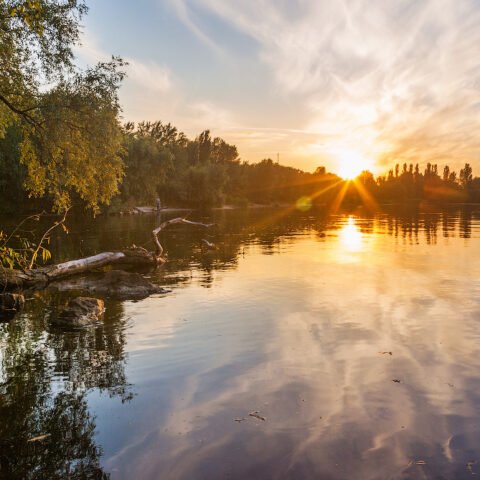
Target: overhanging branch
(22,112)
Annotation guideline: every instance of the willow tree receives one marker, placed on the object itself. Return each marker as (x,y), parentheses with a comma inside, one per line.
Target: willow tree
(68,119)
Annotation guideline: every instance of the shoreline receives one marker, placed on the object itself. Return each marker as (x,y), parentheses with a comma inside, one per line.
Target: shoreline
(146,209)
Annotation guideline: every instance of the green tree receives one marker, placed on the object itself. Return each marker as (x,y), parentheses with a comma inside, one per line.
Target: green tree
(204,141)
(67,119)
(148,159)
(222,153)
(12,172)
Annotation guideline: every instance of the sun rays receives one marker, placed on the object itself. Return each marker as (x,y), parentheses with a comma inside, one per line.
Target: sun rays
(307,202)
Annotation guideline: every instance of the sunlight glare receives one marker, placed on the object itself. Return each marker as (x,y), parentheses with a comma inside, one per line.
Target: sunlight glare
(350,236)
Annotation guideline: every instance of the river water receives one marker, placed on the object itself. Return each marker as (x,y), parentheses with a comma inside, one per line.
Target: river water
(309,346)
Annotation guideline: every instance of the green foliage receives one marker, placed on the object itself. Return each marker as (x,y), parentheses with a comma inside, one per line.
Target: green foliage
(206,171)
(12,172)
(23,254)
(10,257)
(148,157)
(204,185)
(160,161)
(77,150)
(67,120)
(36,39)
(18,251)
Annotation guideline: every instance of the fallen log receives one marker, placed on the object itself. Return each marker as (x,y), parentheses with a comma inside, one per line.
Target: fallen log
(11,279)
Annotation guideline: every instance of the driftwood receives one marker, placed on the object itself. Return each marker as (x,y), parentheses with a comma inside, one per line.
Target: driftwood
(208,245)
(155,232)
(131,257)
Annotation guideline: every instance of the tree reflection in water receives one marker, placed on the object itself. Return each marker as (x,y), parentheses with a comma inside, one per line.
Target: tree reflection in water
(45,378)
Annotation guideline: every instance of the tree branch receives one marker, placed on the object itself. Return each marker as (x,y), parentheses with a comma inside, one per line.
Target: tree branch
(35,216)
(157,230)
(23,113)
(45,235)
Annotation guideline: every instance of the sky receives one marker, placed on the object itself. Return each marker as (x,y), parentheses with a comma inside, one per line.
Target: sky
(318,82)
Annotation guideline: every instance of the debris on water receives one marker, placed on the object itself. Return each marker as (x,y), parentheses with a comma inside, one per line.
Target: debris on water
(470,465)
(416,462)
(396,380)
(386,353)
(39,438)
(208,245)
(257,415)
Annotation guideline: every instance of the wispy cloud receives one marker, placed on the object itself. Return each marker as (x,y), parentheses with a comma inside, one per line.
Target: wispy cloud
(206,114)
(182,10)
(147,75)
(398,81)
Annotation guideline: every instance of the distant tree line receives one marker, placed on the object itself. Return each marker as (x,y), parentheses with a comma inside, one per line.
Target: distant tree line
(204,172)
(159,161)
(407,183)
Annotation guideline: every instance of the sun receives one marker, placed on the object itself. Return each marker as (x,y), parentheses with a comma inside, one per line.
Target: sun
(351,164)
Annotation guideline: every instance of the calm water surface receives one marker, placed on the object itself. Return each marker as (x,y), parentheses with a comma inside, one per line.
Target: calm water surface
(354,340)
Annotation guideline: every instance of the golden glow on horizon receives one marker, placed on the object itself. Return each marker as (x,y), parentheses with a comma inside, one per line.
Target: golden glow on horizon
(352,163)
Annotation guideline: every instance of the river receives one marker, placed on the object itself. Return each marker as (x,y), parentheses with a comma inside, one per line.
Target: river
(308,346)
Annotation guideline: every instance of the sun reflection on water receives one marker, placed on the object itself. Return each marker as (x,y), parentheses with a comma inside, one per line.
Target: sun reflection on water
(351,239)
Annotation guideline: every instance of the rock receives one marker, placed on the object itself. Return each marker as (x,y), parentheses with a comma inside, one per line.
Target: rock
(114,284)
(81,311)
(10,304)
(125,285)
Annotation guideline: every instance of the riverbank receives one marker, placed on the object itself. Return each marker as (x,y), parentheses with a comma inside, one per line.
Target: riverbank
(147,209)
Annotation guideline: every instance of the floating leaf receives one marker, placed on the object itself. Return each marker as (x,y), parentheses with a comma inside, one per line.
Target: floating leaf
(39,438)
